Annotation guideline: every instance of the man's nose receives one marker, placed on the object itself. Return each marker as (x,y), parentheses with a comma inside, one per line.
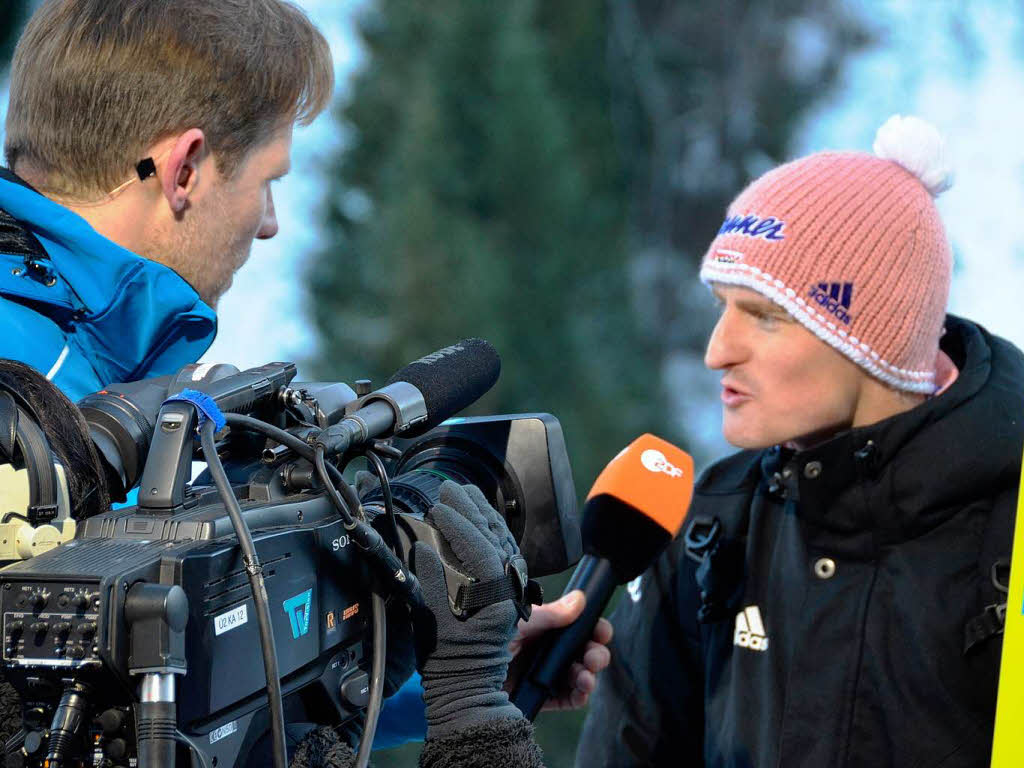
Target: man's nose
(268,226)
(725,348)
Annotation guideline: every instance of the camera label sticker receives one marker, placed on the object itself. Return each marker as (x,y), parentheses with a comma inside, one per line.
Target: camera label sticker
(228,621)
(225,730)
(298,609)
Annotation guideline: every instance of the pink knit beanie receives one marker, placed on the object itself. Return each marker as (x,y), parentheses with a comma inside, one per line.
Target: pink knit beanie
(851,245)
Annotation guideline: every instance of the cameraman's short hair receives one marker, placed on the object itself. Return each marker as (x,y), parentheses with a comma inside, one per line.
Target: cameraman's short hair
(96,82)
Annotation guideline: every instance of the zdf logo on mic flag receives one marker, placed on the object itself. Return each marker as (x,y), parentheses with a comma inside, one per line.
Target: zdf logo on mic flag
(656,461)
(651,475)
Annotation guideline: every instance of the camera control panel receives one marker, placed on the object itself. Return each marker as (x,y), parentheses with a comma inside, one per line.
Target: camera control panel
(50,624)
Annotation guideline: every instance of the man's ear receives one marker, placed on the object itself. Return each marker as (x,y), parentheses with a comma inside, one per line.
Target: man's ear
(181,169)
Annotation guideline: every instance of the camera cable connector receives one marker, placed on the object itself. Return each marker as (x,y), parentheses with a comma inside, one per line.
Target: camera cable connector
(157,615)
(394,575)
(67,722)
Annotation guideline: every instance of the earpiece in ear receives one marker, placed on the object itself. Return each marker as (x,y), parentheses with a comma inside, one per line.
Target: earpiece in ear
(145,168)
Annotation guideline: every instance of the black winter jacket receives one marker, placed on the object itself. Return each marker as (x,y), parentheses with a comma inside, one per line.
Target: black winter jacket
(828,624)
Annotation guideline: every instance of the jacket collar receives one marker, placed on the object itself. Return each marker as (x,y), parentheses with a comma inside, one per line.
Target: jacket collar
(910,472)
(131,317)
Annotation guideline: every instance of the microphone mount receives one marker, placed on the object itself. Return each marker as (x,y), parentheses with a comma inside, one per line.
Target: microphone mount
(392,409)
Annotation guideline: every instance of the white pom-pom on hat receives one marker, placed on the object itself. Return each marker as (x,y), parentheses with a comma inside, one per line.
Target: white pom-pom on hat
(919,147)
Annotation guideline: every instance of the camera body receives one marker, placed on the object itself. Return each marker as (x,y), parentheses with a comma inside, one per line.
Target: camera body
(65,614)
(147,597)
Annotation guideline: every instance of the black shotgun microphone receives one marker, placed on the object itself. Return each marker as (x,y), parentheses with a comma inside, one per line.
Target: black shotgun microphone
(419,396)
(635,508)
(450,379)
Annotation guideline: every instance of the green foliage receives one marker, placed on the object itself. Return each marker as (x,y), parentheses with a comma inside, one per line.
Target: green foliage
(475,199)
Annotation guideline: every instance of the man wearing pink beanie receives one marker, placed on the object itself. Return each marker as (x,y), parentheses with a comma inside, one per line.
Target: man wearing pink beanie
(837,596)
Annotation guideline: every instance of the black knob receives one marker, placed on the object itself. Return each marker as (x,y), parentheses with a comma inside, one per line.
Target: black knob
(116,749)
(76,652)
(88,629)
(39,627)
(81,602)
(111,721)
(14,628)
(62,629)
(37,599)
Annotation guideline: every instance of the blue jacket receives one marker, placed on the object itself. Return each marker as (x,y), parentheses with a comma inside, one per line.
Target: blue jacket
(100,314)
(103,315)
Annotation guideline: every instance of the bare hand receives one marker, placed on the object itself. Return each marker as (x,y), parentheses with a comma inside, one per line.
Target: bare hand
(582,677)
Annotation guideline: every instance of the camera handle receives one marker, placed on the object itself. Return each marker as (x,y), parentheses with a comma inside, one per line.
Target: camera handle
(169,464)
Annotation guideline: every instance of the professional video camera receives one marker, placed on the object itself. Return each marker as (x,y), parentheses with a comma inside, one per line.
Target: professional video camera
(138,642)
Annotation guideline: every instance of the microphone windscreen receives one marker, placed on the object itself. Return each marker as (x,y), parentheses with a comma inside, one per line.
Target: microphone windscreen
(637,504)
(451,379)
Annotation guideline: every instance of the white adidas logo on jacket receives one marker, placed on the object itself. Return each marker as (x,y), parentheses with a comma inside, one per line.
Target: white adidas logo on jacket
(749,631)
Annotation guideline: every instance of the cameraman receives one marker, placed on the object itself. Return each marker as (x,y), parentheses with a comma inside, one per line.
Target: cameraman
(142,140)
(464,663)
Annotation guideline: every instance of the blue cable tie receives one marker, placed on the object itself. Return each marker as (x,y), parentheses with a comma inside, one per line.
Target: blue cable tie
(205,404)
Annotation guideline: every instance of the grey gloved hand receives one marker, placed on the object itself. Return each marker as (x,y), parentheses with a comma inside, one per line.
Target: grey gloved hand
(401,651)
(465,661)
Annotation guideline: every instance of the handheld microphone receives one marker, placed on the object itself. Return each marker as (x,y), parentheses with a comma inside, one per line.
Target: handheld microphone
(419,396)
(635,508)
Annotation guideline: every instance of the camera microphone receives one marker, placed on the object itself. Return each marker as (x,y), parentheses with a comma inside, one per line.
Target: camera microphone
(419,396)
(635,508)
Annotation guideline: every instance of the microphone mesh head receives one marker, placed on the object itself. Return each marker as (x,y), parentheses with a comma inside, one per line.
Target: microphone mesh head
(652,476)
(451,379)
(638,503)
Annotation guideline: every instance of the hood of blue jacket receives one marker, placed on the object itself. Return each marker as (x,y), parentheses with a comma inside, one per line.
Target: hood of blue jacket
(129,317)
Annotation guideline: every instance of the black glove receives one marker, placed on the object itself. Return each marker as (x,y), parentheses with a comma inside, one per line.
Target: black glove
(464,661)
(401,652)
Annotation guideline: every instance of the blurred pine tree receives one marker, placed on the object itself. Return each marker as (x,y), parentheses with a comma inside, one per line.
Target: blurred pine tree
(474,198)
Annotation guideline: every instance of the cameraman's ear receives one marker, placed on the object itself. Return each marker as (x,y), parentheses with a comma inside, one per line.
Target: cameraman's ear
(181,169)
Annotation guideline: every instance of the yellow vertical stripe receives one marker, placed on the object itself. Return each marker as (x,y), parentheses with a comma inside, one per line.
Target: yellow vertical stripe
(1008,746)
